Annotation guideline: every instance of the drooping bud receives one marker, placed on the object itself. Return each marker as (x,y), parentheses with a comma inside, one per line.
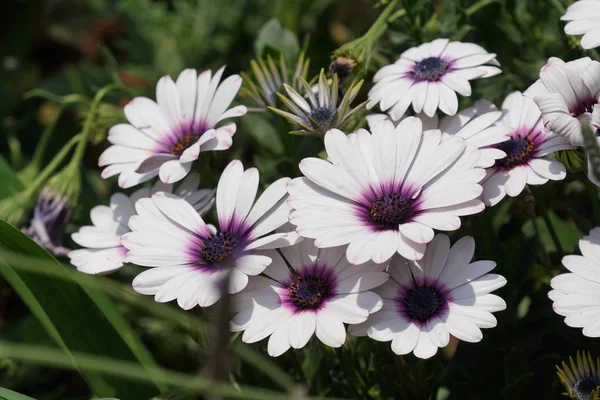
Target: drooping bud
(50,216)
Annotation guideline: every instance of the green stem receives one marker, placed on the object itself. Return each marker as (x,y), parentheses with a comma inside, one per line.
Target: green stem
(51,167)
(379,26)
(593,192)
(85,133)
(124,293)
(40,150)
(43,355)
(543,208)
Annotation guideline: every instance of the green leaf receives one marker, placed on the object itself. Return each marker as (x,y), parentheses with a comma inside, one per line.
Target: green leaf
(568,233)
(264,133)
(6,394)
(174,315)
(41,355)
(273,35)
(478,6)
(73,319)
(10,182)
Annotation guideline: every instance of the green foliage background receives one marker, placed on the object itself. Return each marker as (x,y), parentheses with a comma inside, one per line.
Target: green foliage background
(124,344)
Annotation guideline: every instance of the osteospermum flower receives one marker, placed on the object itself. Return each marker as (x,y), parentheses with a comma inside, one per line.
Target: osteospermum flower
(527,151)
(190,260)
(165,137)
(270,79)
(429,76)
(317,294)
(384,193)
(566,93)
(322,111)
(576,295)
(103,251)
(426,301)
(584,19)
(581,379)
(476,124)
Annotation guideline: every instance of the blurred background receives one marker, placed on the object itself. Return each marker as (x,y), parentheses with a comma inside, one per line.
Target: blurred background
(62,47)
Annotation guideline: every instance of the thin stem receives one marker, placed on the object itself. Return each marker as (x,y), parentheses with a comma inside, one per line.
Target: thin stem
(44,355)
(379,26)
(593,192)
(85,133)
(40,149)
(162,311)
(543,208)
(51,167)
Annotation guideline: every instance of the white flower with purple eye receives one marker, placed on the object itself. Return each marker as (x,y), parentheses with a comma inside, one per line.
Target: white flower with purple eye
(584,19)
(318,293)
(566,93)
(429,76)
(190,260)
(384,193)
(426,301)
(476,124)
(527,152)
(165,137)
(103,251)
(576,295)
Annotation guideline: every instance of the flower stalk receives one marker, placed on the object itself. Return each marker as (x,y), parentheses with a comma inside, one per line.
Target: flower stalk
(354,56)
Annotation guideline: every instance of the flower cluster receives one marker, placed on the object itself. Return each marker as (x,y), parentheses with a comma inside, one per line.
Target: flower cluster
(351,245)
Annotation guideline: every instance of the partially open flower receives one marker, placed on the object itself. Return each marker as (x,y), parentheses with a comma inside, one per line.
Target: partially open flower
(322,111)
(270,79)
(581,379)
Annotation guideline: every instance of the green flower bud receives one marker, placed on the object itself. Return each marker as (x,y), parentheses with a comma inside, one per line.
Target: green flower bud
(573,160)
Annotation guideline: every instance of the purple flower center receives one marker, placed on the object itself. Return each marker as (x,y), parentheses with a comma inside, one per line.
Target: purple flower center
(321,117)
(430,69)
(518,151)
(583,106)
(390,210)
(585,386)
(421,303)
(308,292)
(218,247)
(183,143)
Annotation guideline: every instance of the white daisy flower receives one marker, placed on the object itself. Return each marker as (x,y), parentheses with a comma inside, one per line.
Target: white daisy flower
(165,137)
(476,124)
(385,192)
(190,260)
(527,152)
(429,76)
(566,93)
(584,19)
(424,302)
(312,291)
(103,251)
(576,295)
